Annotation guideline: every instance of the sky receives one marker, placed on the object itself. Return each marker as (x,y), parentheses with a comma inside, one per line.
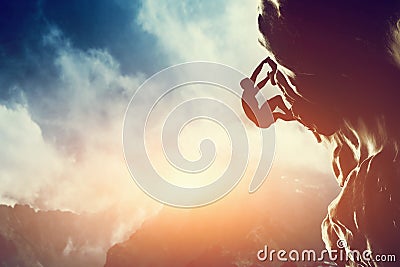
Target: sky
(67,72)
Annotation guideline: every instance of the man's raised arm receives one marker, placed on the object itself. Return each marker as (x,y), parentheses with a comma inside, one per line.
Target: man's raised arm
(258,70)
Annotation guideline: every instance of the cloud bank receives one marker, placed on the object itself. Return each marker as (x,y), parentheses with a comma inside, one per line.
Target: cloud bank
(65,93)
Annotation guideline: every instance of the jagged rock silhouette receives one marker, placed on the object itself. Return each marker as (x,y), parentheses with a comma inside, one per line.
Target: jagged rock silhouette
(345,60)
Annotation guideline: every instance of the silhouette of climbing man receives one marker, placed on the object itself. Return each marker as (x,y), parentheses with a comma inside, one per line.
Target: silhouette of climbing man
(299,105)
(257,114)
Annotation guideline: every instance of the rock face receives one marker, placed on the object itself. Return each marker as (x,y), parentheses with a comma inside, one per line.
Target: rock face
(345,57)
(286,214)
(52,238)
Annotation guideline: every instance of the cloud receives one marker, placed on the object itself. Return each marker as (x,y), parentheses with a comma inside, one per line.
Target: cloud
(199,30)
(63,149)
(27,162)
